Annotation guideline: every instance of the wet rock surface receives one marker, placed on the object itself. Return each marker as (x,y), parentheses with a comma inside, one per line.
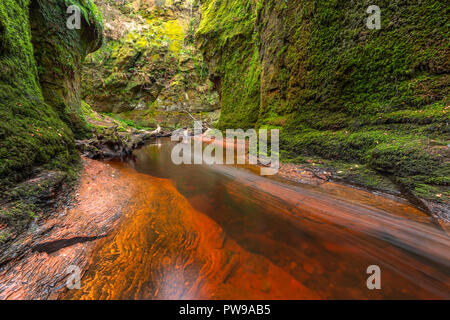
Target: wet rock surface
(303,174)
(24,204)
(441,212)
(308,174)
(35,265)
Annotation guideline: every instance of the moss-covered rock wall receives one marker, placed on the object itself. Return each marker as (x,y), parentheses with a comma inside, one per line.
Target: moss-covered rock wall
(40,106)
(31,133)
(149,71)
(39,81)
(60,51)
(337,89)
(229,40)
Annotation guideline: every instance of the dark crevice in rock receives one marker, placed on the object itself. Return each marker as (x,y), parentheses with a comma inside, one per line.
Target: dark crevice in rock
(53,246)
(4,263)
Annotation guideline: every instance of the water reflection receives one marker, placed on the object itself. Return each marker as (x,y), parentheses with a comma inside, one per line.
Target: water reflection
(223,232)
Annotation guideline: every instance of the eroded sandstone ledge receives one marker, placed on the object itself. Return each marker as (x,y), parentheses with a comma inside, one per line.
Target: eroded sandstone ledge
(67,237)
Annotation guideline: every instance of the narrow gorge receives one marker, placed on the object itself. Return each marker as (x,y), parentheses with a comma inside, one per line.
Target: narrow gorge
(95,96)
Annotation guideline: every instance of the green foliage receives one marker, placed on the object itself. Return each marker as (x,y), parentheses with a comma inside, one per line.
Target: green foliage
(227,36)
(31,132)
(152,72)
(38,54)
(128,72)
(89,10)
(335,88)
(59,53)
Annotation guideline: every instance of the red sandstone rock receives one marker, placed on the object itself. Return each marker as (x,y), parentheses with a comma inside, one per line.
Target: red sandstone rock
(67,237)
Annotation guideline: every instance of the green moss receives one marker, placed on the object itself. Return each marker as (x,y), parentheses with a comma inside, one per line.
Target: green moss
(175,31)
(125,74)
(403,159)
(227,36)
(5,235)
(336,89)
(59,53)
(151,70)
(31,132)
(18,216)
(37,54)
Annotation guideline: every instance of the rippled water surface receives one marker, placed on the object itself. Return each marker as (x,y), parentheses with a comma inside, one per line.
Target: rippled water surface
(224,232)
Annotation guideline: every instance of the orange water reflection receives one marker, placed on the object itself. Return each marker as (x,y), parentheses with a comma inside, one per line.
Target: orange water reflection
(194,232)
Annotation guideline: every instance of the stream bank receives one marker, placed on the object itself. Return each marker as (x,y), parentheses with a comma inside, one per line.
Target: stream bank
(37,269)
(148,229)
(224,232)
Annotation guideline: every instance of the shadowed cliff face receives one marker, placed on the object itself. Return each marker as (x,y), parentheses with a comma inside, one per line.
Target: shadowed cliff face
(339,91)
(39,101)
(31,132)
(59,53)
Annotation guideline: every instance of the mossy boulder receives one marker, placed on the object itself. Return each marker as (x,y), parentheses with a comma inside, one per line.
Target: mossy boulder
(408,159)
